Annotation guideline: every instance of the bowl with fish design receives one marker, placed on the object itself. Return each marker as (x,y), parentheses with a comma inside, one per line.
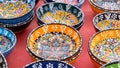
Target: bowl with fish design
(49,63)
(7,41)
(107,20)
(3,62)
(77,3)
(99,6)
(54,41)
(15,11)
(104,47)
(60,13)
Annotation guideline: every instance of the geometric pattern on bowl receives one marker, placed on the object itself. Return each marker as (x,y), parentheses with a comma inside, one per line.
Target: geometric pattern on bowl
(104,46)
(54,42)
(60,13)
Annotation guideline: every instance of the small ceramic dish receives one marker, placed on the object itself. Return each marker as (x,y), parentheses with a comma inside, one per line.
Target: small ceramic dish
(19,26)
(115,64)
(99,6)
(104,46)
(14,11)
(77,3)
(7,41)
(3,62)
(49,63)
(107,20)
(54,42)
(60,13)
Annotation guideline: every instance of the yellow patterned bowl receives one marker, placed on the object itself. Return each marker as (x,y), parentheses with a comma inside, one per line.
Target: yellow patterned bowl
(104,46)
(107,20)
(99,6)
(54,42)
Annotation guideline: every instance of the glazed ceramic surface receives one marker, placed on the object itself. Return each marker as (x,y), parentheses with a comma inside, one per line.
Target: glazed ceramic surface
(108,4)
(107,20)
(111,65)
(49,64)
(105,46)
(54,41)
(72,2)
(7,40)
(59,13)
(14,11)
(3,63)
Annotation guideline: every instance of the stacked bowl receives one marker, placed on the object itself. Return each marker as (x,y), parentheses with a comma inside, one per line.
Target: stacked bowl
(16,15)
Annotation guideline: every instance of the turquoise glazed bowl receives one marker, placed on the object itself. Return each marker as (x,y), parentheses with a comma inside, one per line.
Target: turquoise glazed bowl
(15,11)
(77,3)
(60,13)
(49,63)
(7,41)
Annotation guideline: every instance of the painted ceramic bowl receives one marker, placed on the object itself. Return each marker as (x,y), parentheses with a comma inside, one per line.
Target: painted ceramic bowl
(54,42)
(107,20)
(104,46)
(49,63)
(99,6)
(18,27)
(3,63)
(60,13)
(77,3)
(115,64)
(7,40)
(14,11)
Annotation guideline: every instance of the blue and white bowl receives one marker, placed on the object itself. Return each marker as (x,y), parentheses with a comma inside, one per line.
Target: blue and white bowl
(7,41)
(17,11)
(60,13)
(48,63)
(77,3)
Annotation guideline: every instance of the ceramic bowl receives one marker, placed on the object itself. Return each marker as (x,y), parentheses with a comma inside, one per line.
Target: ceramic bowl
(99,6)
(60,13)
(18,27)
(14,11)
(77,3)
(115,64)
(107,20)
(3,63)
(49,63)
(104,46)
(54,42)
(7,40)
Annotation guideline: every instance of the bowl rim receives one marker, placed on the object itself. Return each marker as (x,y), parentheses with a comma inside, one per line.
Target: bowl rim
(100,8)
(107,64)
(4,59)
(80,47)
(94,23)
(48,61)
(78,2)
(13,44)
(79,21)
(33,5)
(98,60)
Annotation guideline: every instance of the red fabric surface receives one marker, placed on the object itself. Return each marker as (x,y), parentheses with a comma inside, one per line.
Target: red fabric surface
(19,56)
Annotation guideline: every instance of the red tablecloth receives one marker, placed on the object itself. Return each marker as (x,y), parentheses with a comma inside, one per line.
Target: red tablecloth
(19,56)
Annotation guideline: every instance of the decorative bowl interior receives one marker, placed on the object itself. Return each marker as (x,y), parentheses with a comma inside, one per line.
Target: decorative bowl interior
(7,40)
(107,20)
(49,63)
(115,64)
(104,46)
(3,63)
(54,42)
(107,4)
(60,13)
(72,2)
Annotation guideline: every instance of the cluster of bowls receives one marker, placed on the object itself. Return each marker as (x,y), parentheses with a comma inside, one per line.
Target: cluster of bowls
(18,14)
(104,45)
